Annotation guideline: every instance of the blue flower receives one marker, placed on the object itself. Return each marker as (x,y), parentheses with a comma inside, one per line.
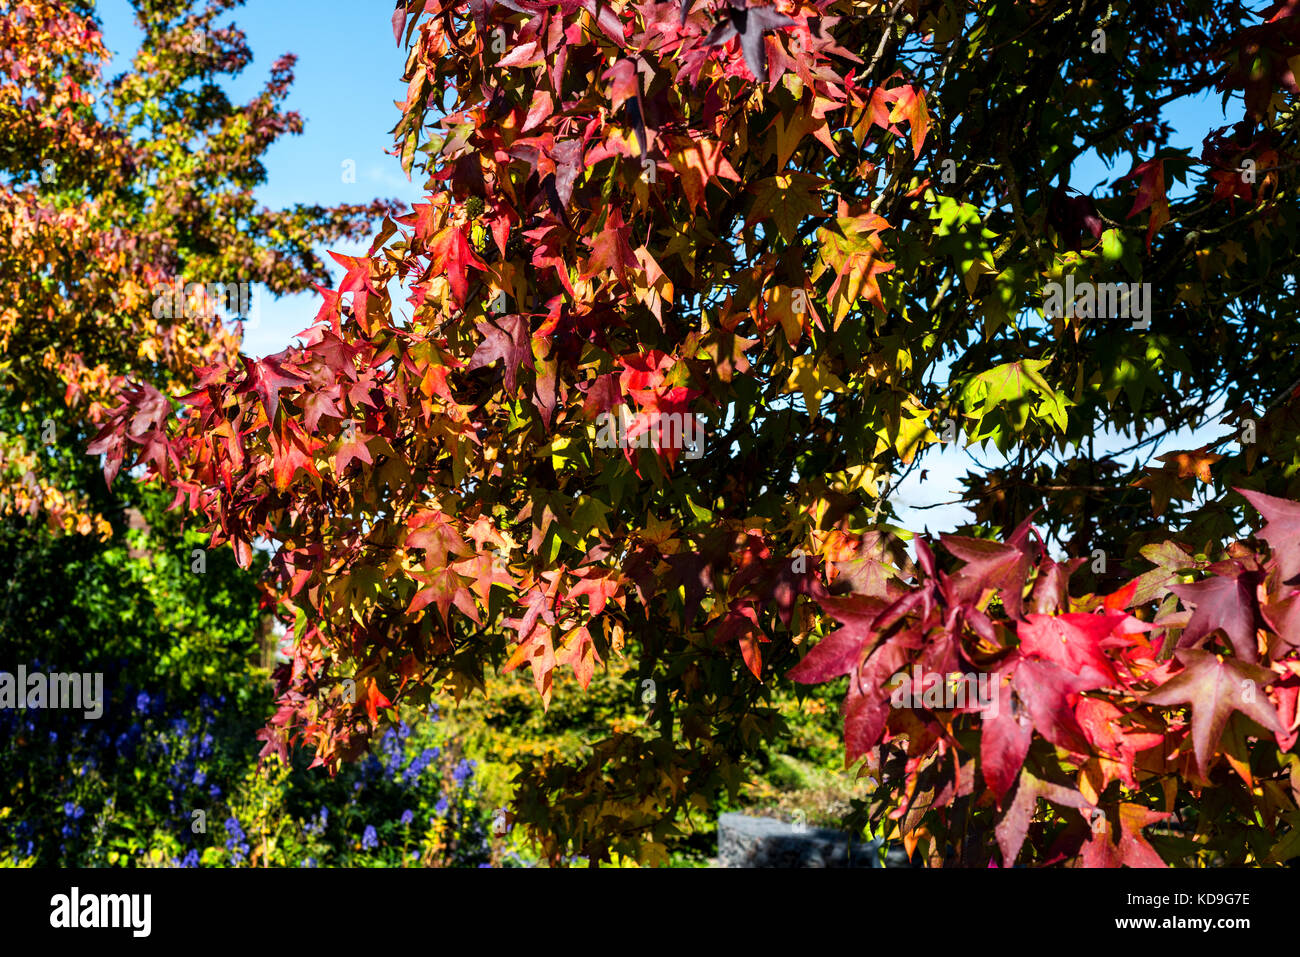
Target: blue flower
(441,807)
(191,859)
(370,840)
(407,817)
(69,808)
(463,771)
(142,702)
(199,778)
(419,764)
(214,791)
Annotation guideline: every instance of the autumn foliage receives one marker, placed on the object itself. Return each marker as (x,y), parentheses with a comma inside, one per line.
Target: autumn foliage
(743,215)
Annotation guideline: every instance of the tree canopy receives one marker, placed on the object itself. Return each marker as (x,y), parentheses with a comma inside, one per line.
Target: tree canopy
(789,249)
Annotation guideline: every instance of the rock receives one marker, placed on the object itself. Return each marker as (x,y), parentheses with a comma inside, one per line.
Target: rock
(745,841)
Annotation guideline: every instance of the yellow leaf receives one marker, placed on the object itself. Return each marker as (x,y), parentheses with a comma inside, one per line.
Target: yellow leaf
(810,378)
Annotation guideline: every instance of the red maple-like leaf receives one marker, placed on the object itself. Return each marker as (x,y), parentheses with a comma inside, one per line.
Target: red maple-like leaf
(1225,601)
(1150,193)
(867,705)
(751,24)
(994,565)
(266,377)
(1282,531)
(442,588)
(506,338)
(452,256)
(1073,641)
(1050,694)
(839,652)
(1006,733)
(1131,848)
(1215,686)
(741,623)
(374,700)
(1014,823)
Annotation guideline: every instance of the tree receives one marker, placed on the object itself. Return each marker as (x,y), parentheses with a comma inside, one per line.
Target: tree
(692,283)
(135,241)
(125,205)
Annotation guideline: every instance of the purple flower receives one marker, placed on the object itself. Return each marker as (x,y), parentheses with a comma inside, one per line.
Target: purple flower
(369,839)
(463,771)
(420,763)
(407,817)
(191,859)
(441,807)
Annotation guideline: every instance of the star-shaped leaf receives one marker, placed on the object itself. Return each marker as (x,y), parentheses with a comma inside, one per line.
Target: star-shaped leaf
(506,338)
(1224,601)
(1282,531)
(751,24)
(1214,687)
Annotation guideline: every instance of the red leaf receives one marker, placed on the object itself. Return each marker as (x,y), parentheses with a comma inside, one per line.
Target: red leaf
(506,338)
(452,256)
(1132,849)
(838,653)
(1282,531)
(1070,640)
(1014,824)
(1215,686)
(265,378)
(1227,602)
(399,21)
(375,699)
(994,565)
(867,706)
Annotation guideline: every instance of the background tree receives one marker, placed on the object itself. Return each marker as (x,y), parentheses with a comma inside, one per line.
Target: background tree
(110,192)
(747,216)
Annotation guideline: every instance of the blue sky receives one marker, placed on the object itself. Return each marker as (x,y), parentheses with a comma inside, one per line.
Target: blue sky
(347,78)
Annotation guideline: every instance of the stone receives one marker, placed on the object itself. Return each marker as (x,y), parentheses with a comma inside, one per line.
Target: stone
(745,841)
